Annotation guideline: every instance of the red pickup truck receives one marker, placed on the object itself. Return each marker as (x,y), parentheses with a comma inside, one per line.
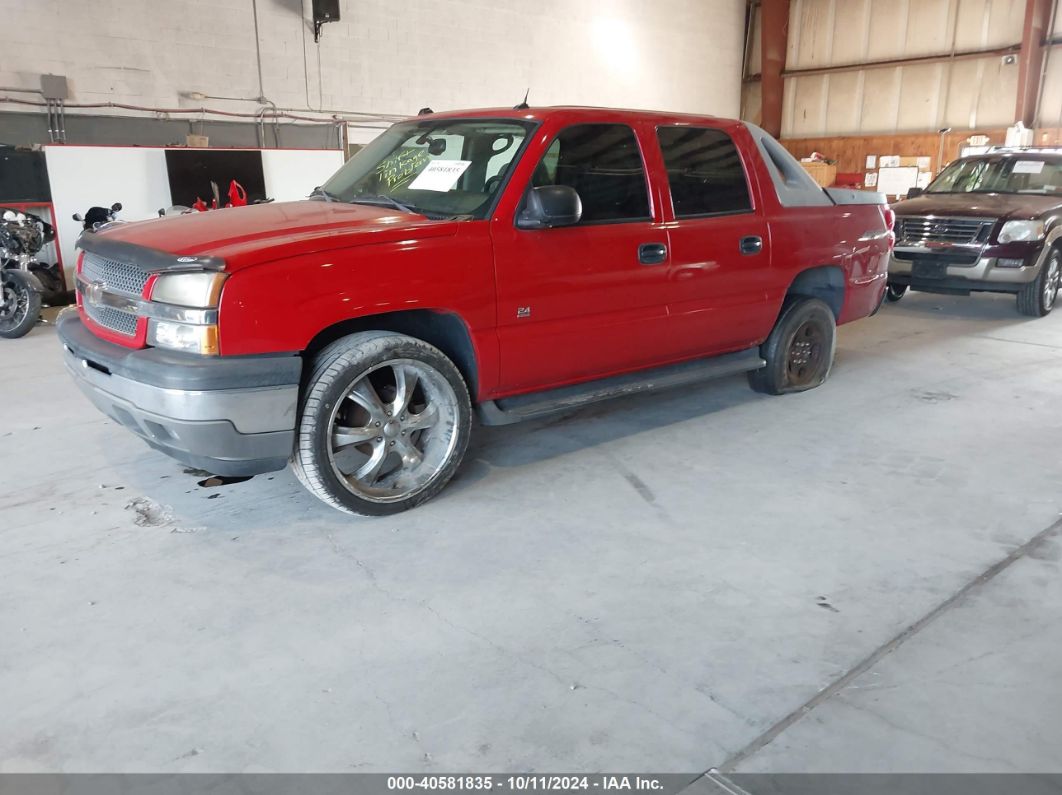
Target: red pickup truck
(516,262)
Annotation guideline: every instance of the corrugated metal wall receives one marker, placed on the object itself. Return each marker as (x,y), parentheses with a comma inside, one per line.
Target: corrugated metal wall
(1051,102)
(962,93)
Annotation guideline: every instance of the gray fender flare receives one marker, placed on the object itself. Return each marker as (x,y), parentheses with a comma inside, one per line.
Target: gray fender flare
(1051,240)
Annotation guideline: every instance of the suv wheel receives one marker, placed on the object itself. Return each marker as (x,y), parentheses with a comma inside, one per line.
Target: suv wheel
(799,351)
(1037,298)
(384,424)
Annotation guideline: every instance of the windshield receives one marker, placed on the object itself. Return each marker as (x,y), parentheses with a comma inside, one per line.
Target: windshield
(1001,175)
(440,168)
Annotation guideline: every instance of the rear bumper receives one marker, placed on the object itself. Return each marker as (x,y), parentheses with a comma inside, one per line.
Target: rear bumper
(229,416)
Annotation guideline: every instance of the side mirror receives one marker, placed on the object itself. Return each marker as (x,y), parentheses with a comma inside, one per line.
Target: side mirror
(911,193)
(116,207)
(79,217)
(549,206)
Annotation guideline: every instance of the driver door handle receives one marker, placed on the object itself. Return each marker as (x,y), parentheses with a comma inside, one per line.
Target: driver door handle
(652,253)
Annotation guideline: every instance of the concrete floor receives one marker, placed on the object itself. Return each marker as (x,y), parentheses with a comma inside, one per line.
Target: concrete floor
(701,579)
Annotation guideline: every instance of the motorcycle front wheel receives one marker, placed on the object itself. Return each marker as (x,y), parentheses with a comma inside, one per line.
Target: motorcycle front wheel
(20,305)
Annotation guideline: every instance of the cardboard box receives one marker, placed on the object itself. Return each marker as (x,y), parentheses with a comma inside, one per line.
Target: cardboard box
(823,173)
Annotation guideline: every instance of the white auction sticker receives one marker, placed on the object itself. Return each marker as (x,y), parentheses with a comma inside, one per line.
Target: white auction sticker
(440,175)
(1028,167)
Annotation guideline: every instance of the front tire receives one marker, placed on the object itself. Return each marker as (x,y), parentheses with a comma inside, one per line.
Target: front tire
(799,352)
(1037,298)
(20,305)
(894,292)
(384,424)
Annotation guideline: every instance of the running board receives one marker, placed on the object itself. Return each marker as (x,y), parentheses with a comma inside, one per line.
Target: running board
(567,398)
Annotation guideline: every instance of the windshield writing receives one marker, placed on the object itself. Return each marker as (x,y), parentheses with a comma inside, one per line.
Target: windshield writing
(439,168)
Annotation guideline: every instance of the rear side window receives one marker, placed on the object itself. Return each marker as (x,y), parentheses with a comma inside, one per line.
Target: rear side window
(604,165)
(704,171)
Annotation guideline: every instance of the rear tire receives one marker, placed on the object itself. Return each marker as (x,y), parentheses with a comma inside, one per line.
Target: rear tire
(894,292)
(799,352)
(20,305)
(1037,298)
(384,424)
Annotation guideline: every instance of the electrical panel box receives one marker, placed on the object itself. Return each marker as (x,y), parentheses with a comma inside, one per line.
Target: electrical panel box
(54,87)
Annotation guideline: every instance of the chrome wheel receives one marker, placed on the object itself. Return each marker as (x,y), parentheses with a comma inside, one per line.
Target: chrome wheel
(1051,283)
(15,306)
(393,431)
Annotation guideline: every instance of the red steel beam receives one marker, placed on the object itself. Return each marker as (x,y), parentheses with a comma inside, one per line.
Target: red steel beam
(774,36)
(1031,59)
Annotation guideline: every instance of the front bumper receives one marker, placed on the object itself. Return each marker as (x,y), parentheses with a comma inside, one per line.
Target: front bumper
(229,416)
(964,269)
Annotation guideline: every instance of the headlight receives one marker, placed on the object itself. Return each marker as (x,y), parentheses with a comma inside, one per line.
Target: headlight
(193,329)
(183,337)
(1016,231)
(201,289)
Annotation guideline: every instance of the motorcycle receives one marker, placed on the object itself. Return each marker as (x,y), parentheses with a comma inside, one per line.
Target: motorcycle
(237,198)
(25,282)
(175,209)
(95,217)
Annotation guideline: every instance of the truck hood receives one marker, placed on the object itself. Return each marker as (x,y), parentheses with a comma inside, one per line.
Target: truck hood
(243,236)
(980,205)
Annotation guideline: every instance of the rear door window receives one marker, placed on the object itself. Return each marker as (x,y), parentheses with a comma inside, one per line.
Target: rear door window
(704,172)
(604,164)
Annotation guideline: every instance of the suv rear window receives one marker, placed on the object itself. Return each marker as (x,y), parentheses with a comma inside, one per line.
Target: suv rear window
(704,171)
(604,165)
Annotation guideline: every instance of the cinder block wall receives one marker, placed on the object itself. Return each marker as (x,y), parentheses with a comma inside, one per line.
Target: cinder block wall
(383,56)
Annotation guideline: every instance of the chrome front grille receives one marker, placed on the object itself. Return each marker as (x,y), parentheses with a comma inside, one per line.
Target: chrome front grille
(111,277)
(116,277)
(110,318)
(918,229)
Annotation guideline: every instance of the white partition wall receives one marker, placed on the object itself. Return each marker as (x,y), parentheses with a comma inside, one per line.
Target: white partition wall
(291,174)
(83,176)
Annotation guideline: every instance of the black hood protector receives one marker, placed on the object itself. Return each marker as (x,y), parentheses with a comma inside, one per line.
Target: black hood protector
(149,260)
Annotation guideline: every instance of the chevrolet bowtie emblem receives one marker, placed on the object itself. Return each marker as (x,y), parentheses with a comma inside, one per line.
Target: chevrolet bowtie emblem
(94,292)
